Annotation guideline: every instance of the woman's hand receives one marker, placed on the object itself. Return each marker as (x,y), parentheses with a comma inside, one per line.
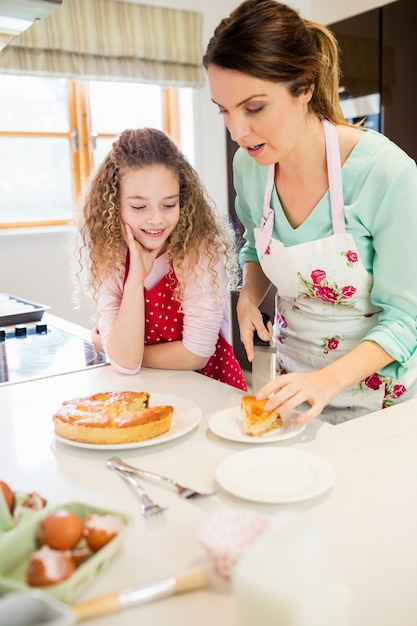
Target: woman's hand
(318,388)
(292,390)
(254,289)
(251,321)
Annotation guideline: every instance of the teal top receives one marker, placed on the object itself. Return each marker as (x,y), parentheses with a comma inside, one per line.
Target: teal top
(380,199)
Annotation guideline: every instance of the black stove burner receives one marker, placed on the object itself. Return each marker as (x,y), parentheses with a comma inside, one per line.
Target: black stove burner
(32,352)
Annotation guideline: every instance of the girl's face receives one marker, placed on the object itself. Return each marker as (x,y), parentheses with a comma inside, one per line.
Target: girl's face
(150,204)
(261,116)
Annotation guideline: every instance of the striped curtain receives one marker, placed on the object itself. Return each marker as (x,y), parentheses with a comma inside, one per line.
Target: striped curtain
(109,40)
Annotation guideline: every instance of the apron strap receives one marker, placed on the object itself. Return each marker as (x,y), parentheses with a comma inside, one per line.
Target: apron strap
(268,191)
(267,222)
(334,169)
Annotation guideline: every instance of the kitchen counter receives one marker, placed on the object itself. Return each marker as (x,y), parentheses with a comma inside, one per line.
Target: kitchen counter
(369,516)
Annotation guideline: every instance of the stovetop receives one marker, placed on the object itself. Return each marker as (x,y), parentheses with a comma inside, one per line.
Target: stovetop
(32,351)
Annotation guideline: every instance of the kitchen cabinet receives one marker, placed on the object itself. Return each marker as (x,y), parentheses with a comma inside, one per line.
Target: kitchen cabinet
(378,49)
(399,94)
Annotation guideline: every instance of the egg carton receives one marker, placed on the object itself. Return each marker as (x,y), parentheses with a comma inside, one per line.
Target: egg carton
(18,543)
(11,522)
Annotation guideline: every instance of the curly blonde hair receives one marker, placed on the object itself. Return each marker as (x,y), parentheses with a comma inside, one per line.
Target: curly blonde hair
(199,232)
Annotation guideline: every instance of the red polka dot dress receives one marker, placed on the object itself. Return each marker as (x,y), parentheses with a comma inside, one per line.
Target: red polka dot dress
(164,322)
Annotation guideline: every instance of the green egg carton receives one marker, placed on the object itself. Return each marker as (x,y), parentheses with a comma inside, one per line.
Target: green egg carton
(22,541)
(9,522)
(6,518)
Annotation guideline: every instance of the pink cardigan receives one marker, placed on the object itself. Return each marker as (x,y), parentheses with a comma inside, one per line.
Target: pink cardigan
(206,311)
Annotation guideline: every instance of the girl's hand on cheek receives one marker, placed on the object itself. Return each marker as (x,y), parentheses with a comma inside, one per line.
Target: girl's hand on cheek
(141,260)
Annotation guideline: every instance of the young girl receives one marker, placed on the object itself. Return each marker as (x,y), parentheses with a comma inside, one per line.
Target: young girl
(160,265)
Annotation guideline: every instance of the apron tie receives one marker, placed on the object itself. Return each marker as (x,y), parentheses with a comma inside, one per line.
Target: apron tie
(267,222)
(334,169)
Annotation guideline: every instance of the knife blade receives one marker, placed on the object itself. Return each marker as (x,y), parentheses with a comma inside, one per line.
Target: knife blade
(264,362)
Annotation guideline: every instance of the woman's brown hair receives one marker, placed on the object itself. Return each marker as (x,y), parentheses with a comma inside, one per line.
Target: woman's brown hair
(269,40)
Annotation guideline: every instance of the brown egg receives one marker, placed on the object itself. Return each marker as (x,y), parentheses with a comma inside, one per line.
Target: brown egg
(34,501)
(61,530)
(49,567)
(8,494)
(100,529)
(79,555)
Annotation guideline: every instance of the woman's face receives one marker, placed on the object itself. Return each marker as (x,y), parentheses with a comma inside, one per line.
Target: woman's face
(261,116)
(150,204)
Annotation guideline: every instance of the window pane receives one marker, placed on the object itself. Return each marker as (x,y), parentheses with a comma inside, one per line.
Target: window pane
(102,148)
(29,104)
(186,115)
(35,180)
(116,106)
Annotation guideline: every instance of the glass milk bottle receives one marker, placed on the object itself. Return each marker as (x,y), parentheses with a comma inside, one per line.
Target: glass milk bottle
(289,577)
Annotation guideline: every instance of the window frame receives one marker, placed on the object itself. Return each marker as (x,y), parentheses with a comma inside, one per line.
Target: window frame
(82,139)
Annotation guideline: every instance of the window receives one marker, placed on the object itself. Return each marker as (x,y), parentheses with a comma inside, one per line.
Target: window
(53,132)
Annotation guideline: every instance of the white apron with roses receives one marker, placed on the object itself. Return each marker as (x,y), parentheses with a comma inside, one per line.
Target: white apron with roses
(323,306)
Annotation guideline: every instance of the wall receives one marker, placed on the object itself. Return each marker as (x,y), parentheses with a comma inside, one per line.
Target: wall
(36,265)
(39,267)
(326,12)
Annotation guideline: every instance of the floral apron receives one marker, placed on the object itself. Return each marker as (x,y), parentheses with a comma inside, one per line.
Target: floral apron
(164,322)
(323,306)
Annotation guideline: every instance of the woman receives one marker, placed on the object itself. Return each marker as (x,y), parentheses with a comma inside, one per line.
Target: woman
(330,218)
(159,262)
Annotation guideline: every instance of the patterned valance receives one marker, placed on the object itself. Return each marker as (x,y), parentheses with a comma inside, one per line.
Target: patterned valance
(109,40)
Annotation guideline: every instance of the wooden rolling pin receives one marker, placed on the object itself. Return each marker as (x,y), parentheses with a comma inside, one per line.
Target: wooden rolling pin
(119,600)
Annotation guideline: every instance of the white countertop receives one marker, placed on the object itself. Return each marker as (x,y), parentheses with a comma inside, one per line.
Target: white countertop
(369,516)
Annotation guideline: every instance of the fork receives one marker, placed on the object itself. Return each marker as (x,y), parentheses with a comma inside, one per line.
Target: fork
(184,492)
(147,506)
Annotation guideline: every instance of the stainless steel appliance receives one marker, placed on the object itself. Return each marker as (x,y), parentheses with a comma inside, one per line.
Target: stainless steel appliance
(38,350)
(32,348)
(366,108)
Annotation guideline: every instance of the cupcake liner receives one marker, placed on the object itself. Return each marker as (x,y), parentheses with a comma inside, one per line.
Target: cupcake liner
(227,536)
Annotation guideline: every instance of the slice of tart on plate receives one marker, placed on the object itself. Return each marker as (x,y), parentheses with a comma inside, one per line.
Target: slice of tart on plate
(256,420)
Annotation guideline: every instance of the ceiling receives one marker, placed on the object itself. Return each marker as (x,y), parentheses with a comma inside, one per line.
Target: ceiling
(18,15)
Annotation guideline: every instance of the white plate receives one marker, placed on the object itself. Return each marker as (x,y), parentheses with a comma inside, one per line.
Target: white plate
(187,416)
(275,475)
(229,425)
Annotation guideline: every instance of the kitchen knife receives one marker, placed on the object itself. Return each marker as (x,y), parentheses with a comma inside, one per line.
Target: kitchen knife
(264,362)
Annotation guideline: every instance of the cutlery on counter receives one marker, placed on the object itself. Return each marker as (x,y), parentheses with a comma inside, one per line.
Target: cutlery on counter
(148,508)
(187,493)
